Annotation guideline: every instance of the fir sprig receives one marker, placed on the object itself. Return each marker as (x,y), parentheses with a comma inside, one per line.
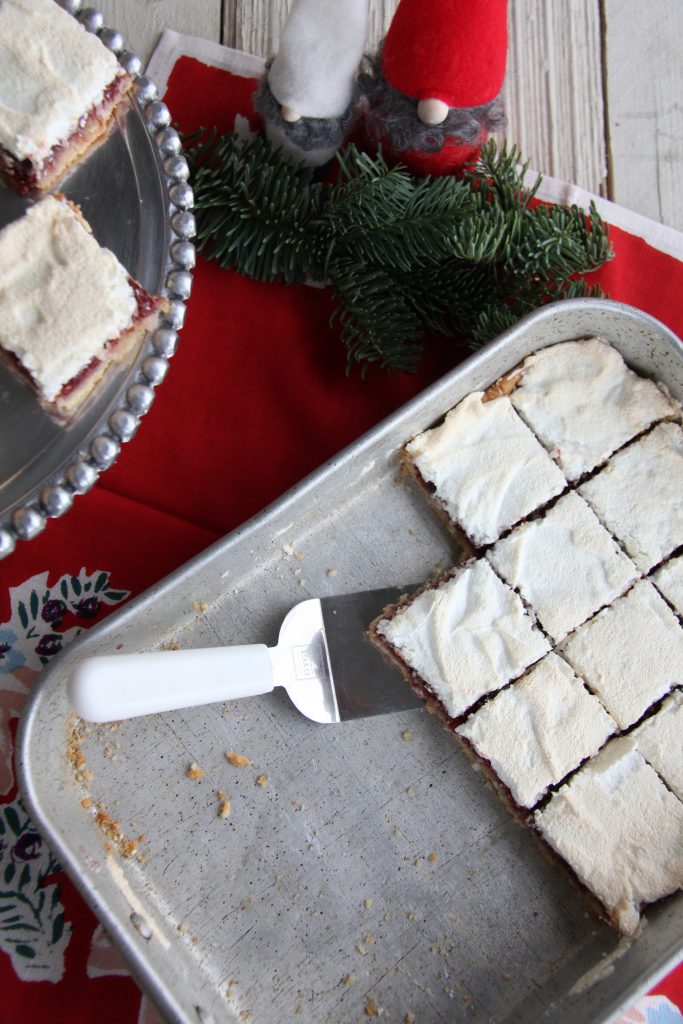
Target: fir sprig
(405,257)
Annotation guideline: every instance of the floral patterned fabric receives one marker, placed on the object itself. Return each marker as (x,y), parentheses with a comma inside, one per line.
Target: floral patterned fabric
(258,363)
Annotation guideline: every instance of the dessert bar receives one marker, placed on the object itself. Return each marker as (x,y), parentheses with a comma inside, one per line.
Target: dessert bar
(583,402)
(59,89)
(638,495)
(620,830)
(538,729)
(560,471)
(660,740)
(68,308)
(669,581)
(565,565)
(483,467)
(630,654)
(461,637)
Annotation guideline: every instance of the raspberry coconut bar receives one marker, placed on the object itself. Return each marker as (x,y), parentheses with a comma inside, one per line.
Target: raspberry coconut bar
(620,830)
(68,308)
(59,89)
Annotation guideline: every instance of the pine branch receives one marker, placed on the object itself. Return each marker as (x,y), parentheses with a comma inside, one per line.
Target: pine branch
(405,257)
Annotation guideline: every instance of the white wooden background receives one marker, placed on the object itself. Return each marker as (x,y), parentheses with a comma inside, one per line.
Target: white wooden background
(594,87)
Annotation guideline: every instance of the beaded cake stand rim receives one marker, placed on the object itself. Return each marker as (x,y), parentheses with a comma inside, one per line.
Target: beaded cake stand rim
(54,496)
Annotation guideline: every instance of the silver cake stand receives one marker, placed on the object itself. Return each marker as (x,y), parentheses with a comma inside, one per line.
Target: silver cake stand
(133,190)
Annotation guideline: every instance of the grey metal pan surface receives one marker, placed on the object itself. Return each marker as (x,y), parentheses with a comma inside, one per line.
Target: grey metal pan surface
(133,191)
(374,865)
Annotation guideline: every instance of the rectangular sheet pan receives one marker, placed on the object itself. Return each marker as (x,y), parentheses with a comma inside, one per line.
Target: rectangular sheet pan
(318,893)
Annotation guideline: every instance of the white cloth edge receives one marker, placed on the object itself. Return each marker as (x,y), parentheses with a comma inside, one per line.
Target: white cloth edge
(173,45)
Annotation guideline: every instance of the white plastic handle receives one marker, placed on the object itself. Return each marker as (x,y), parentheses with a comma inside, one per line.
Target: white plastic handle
(114,687)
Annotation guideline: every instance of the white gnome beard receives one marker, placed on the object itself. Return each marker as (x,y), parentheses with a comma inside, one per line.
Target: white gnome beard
(322,45)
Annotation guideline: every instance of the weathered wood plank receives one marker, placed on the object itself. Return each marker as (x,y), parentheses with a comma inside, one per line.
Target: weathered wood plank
(554,89)
(142,23)
(256,25)
(645,104)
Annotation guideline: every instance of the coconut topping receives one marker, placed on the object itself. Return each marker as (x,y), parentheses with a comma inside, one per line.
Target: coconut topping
(660,740)
(466,637)
(622,495)
(669,580)
(630,654)
(62,296)
(538,729)
(52,71)
(488,469)
(583,402)
(620,829)
(565,565)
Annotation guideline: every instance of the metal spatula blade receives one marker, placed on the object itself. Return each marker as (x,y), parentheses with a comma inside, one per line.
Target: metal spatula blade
(324,659)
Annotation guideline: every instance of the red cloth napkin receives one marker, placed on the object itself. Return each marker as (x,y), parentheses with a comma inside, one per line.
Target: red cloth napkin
(256,398)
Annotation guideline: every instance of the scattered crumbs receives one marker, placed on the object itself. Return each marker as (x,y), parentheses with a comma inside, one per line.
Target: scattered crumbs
(505,977)
(348,980)
(238,760)
(86,802)
(245,1014)
(261,780)
(360,948)
(174,645)
(369,939)
(231,988)
(183,928)
(410,791)
(129,847)
(331,572)
(409,1018)
(372,1009)
(405,735)
(467,999)
(433,857)
(417,862)
(411,915)
(195,772)
(200,606)
(368,903)
(397,831)
(225,806)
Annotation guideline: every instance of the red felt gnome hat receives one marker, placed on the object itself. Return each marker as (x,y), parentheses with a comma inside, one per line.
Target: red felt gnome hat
(450,50)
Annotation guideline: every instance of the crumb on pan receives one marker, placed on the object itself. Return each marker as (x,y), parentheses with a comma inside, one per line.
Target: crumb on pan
(238,760)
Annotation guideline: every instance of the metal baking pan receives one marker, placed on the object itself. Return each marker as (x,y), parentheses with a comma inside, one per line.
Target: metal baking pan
(375,866)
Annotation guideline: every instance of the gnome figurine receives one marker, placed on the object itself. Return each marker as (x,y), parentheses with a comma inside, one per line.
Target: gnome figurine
(433,91)
(308,95)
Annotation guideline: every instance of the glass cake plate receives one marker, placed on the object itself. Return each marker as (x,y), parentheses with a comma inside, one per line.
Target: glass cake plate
(133,191)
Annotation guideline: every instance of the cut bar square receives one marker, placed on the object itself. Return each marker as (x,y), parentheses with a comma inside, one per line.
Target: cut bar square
(59,89)
(565,565)
(583,402)
(639,495)
(68,308)
(660,740)
(538,729)
(630,654)
(486,468)
(669,581)
(461,638)
(620,830)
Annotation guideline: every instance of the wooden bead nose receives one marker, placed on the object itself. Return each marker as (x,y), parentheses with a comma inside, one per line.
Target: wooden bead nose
(291,115)
(432,111)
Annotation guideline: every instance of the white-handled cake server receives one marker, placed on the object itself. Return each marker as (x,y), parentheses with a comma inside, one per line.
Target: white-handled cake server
(324,659)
